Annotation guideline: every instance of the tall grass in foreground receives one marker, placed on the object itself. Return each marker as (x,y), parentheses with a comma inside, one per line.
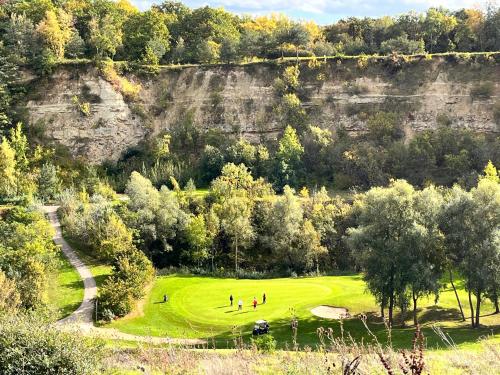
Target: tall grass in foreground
(334,355)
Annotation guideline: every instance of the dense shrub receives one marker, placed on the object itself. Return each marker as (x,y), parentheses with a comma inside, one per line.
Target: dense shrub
(27,254)
(264,343)
(30,346)
(93,221)
(482,91)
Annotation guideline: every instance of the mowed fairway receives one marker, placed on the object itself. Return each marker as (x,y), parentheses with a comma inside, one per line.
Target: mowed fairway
(198,307)
(66,289)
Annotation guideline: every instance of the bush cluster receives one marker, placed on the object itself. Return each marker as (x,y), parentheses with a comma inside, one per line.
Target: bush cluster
(93,221)
(31,346)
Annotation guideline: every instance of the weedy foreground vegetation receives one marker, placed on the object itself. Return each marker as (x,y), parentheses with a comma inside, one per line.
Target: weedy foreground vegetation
(410,246)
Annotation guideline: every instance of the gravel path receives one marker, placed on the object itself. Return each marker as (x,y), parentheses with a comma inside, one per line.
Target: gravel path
(81,319)
(83,315)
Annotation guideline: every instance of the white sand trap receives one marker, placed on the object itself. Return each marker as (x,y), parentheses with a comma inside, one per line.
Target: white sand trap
(330,312)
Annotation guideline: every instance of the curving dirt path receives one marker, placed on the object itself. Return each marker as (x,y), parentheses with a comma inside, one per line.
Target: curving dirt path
(81,319)
(83,315)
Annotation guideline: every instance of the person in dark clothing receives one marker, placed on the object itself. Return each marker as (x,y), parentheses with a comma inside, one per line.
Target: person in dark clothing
(231,299)
(165,298)
(264,298)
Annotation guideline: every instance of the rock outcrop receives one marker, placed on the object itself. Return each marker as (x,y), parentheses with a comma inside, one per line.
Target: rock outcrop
(241,99)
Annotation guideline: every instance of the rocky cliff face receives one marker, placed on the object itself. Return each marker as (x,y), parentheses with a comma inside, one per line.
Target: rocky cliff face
(79,109)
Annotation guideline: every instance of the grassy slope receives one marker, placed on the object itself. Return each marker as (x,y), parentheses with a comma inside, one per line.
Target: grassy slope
(66,289)
(99,270)
(198,307)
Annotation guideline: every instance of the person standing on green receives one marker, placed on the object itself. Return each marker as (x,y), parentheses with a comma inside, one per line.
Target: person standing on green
(231,299)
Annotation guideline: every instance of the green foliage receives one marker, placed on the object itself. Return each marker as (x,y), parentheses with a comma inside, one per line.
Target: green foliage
(156,215)
(289,158)
(212,35)
(7,169)
(27,254)
(9,296)
(75,48)
(402,45)
(482,91)
(229,50)
(83,107)
(264,343)
(470,222)
(146,36)
(45,62)
(92,220)
(32,346)
(105,35)
(234,214)
(204,29)
(383,126)
(48,183)
(398,243)
(55,31)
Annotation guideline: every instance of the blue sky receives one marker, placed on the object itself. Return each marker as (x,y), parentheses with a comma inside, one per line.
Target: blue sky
(322,11)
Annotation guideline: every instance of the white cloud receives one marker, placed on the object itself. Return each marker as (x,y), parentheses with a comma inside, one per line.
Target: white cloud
(325,9)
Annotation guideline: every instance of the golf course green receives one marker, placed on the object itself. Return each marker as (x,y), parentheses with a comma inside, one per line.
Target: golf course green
(199,307)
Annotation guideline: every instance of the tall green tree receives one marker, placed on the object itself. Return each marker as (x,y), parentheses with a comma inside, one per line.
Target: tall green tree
(286,223)
(48,182)
(105,36)
(427,259)
(234,214)
(387,231)
(470,222)
(143,31)
(289,158)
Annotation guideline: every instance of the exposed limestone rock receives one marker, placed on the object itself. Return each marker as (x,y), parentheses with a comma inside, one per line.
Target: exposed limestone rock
(240,99)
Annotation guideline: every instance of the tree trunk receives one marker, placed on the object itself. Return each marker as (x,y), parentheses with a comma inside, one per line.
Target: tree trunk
(456,295)
(415,319)
(478,307)
(383,302)
(297,49)
(213,256)
(236,257)
(391,307)
(471,310)
(495,302)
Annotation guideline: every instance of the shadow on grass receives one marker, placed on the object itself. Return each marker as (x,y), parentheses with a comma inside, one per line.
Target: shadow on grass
(352,274)
(353,329)
(77,284)
(436,313)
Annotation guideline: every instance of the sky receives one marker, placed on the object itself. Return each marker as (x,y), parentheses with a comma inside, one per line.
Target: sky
(323,11)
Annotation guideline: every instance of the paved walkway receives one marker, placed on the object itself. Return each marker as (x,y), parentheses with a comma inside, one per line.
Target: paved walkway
(81,319)
(83,315)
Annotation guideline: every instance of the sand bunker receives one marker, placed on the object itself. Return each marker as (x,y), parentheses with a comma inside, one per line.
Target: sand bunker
(330,312)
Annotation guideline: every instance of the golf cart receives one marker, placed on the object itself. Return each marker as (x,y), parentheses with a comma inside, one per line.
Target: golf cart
(261,327)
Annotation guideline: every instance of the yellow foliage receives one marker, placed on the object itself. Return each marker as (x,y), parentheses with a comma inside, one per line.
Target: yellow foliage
(128,89)
(127,7)
(267,24)
(315,32)
(304,192)
(56,31)
(362,62)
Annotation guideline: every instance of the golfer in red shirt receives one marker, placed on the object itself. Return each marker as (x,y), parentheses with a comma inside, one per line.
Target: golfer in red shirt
(254,303)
